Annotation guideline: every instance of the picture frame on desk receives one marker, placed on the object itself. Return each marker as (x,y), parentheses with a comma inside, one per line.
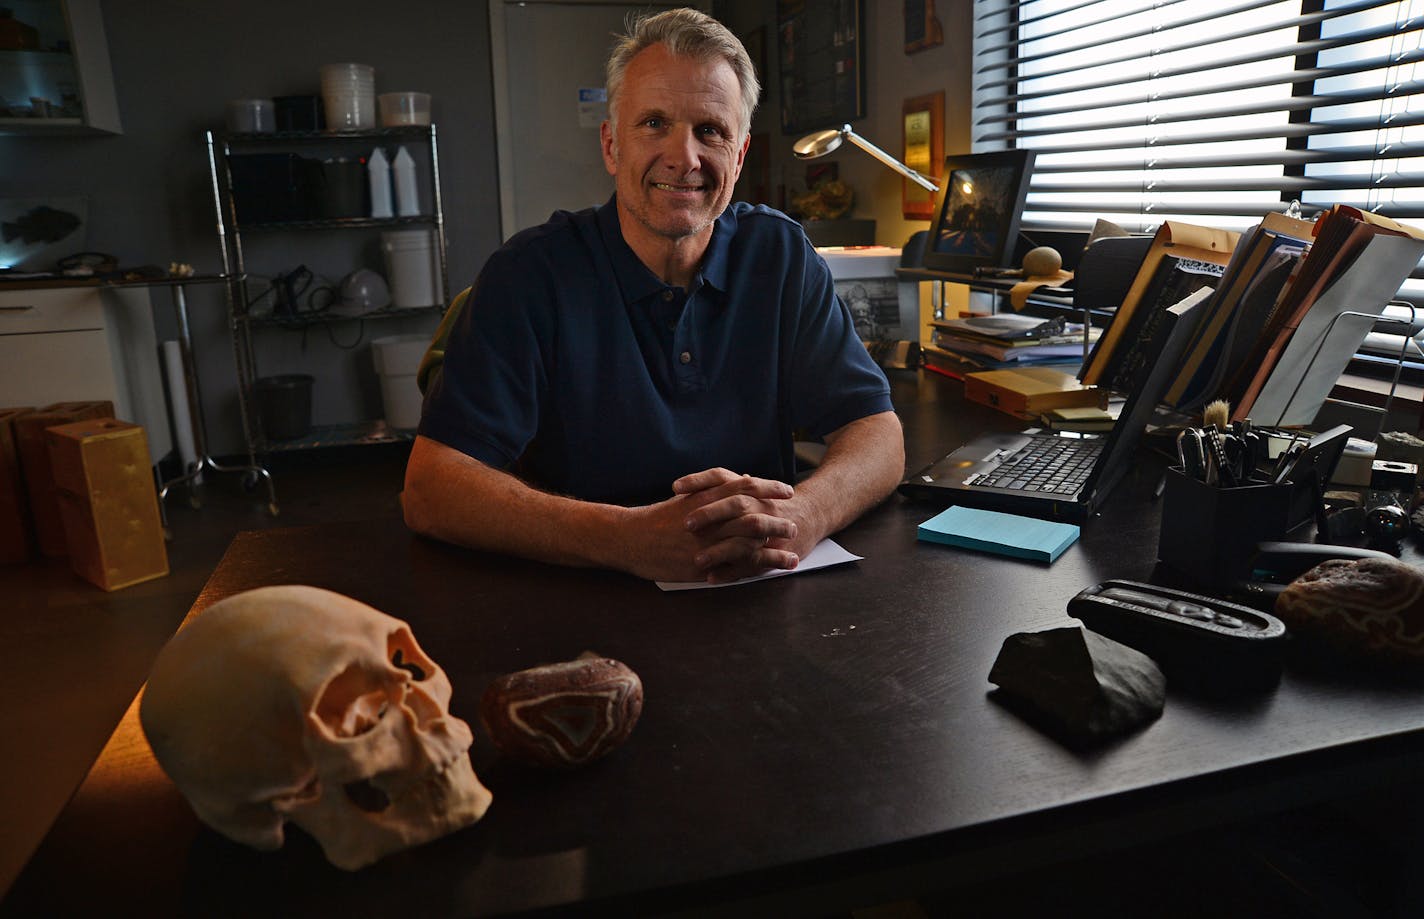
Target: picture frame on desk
(980,204)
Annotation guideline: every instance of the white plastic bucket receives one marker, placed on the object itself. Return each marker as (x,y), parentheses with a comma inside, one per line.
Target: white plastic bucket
(397,359)
(412,268)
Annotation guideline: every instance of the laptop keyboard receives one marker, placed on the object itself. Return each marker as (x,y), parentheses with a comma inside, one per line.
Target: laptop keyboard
(1053,465)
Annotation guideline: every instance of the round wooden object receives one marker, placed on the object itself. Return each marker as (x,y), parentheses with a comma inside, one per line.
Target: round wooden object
(1042,261)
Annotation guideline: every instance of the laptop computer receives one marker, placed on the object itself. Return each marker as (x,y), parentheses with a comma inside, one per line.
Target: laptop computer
(1053,475)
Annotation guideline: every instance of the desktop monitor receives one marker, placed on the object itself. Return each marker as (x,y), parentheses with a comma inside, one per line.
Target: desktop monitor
(977,221)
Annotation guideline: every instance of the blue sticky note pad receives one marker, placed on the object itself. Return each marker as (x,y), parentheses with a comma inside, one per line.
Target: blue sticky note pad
(1005,534)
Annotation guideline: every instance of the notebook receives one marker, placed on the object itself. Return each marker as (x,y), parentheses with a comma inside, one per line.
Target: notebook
(1061,476)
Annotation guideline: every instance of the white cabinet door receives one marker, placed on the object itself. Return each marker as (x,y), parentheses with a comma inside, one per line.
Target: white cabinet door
(77,344)
(42,368)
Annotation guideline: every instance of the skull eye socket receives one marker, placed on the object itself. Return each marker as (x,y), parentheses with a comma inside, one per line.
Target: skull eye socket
(353,702)
(367,797)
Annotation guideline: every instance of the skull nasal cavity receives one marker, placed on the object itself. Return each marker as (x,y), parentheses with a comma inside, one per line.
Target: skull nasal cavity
(414,669)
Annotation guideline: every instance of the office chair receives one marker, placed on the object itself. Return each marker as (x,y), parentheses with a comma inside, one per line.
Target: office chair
(434,357)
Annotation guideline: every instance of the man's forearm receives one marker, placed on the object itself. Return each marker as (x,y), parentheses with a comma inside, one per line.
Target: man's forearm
(458,499)
(864,461)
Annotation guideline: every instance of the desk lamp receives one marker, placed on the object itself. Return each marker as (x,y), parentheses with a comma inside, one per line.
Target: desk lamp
(905,354)
(822,142)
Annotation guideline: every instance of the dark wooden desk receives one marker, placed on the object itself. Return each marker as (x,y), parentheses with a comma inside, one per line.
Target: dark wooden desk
(811,742)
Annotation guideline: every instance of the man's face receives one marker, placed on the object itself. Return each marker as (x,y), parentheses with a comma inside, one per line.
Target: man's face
(678,144)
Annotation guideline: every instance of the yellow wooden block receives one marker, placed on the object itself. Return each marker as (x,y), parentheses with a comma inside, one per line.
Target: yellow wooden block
(107,502)
(1030,390)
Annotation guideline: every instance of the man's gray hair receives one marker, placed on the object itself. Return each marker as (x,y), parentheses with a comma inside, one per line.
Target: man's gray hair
(686,33)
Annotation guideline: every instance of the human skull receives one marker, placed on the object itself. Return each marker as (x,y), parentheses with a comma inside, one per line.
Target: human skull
(295,703)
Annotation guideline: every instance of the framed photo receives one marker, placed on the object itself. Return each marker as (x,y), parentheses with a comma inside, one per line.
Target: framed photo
(755,43)
(923,125)
(922,27)
(979,210)
(822,63)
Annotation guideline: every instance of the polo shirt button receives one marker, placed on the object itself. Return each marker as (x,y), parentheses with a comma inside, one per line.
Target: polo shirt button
(685,357)
(667,296)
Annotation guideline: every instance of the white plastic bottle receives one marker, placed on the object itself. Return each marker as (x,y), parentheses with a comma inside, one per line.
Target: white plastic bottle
(378,172)
(403,177)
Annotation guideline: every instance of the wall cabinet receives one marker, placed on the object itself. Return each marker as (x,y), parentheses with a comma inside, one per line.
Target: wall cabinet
(55,75)
(303,197)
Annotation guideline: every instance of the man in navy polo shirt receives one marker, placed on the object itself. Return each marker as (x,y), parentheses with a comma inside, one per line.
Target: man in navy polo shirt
(622,385)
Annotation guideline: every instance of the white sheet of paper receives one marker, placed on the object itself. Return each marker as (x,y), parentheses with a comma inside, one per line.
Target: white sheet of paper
(827,552)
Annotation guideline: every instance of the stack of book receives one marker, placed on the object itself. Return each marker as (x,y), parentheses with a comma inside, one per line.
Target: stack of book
(1287,304)
(1182,261)
(1003,341)
(1353,267)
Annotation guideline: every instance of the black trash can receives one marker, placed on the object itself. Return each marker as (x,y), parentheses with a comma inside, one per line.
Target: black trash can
(284,405)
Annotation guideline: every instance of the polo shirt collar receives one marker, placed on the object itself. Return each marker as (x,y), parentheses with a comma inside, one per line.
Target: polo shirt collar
(634,277)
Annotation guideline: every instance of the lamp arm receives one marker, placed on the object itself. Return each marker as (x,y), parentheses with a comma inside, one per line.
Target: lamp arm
(889,160)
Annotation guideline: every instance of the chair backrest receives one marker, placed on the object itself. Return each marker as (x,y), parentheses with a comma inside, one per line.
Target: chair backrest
(434,359)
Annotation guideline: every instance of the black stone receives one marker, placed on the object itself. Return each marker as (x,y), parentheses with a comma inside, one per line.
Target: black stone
(1077,684)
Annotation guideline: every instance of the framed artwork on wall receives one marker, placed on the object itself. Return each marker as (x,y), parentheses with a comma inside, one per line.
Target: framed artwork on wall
(822,64)
(923,126)
(755,43)
(922,28)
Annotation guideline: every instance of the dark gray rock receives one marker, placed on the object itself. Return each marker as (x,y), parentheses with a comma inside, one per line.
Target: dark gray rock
(1078,684)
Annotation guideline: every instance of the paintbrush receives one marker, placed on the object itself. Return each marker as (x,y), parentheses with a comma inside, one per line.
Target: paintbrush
(1217,412)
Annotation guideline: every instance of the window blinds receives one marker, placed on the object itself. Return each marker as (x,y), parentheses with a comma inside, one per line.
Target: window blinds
(1208,111)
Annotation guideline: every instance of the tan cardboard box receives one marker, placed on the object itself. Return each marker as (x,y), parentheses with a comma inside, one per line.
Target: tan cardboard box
(107,501)
(16,539)
(34,465)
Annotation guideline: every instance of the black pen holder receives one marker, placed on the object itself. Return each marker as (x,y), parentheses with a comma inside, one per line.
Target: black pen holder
(1210,533)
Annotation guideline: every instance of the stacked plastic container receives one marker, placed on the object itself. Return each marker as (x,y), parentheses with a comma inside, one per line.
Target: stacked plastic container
(348,92)
(412,267)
